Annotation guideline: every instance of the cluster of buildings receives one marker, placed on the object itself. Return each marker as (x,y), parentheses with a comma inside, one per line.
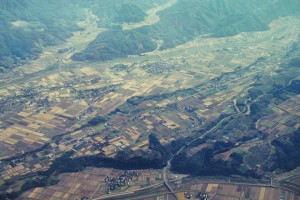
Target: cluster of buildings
(96,93)
(200,195)
(121,180)
(161,67)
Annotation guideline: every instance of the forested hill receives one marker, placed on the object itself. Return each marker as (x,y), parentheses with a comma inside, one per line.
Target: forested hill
(27,26)
(187,19)
(112,12)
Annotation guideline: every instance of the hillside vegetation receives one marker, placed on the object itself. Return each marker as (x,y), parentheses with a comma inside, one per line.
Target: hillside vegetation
(113,12)
(188,19)
(27,26)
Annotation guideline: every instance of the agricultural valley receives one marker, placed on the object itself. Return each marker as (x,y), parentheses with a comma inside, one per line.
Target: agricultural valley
(168,99)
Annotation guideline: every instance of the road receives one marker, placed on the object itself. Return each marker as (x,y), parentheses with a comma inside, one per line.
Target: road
(290,186)
(124,194)
(159,191)
(100,183)
(165,178)
(166,168)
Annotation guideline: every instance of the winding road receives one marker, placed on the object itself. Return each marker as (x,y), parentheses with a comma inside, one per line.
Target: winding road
(166,168)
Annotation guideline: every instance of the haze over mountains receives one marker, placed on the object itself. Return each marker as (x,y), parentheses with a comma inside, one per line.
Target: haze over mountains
(207,88)
(28,26)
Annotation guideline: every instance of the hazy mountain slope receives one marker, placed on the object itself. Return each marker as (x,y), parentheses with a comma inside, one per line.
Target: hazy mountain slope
(129,13)
(116,43)
(110,11)
(188,19)
(220,18)
(27,26)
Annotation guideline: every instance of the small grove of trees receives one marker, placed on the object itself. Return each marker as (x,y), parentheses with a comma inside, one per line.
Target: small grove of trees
(94,122)
(97,120)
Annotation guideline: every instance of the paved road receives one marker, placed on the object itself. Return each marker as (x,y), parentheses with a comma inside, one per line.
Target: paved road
(165,169)
(152,192)
(290,186)
(166,181)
